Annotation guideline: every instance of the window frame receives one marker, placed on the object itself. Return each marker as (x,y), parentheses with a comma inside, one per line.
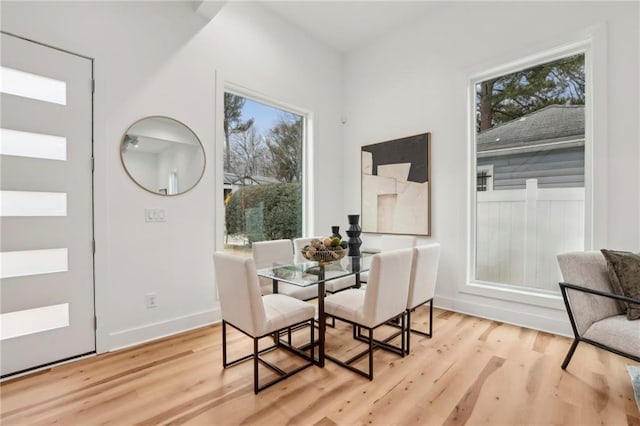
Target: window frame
(308,199)
(581,45)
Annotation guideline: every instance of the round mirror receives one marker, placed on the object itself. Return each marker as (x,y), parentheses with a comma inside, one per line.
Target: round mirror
(162,155)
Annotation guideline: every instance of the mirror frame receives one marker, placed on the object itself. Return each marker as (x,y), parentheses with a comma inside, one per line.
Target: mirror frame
(124,166)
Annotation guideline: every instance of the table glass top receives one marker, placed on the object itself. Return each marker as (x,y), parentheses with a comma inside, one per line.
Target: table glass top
(307,273)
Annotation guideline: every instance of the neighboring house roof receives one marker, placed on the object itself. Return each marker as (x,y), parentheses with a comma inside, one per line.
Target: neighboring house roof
(233,179)
(551,124)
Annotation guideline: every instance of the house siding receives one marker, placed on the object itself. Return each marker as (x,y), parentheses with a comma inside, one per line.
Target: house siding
(562,168)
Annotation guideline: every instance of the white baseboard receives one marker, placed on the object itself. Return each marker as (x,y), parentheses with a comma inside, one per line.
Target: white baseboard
(149,332)
(497,313)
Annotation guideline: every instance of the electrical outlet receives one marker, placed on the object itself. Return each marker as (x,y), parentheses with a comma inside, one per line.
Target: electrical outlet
(152,300)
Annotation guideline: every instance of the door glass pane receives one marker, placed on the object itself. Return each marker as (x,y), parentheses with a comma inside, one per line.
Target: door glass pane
(33,145)
(29,321)
(262,173)
(530,197)
(32,203)
(33,262)
(27,85)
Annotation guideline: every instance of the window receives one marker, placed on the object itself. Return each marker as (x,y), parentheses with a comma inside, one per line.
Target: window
(484,179)
(263,172)
(530,172)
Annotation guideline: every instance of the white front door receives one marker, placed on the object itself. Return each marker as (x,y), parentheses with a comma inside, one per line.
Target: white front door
(46,206)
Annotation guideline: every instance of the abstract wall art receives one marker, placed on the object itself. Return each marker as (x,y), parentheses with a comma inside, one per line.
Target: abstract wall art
(396,186)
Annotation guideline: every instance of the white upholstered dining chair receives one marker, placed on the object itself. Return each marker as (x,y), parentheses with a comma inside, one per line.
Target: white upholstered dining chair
(392,242)
(422,285)
(298,245)
(270,253)
(384,299)
(257,316)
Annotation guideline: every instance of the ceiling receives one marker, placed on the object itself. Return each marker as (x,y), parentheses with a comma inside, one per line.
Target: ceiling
(346,25)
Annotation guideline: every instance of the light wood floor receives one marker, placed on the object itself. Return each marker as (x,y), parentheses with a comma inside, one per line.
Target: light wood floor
(472,371)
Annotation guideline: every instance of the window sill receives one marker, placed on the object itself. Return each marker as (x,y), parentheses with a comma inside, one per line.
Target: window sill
(526,296)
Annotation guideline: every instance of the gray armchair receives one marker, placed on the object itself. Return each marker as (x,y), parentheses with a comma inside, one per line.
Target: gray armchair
(596,314)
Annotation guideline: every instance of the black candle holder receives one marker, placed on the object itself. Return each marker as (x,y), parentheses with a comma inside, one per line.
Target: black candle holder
(353,231)
(335,232)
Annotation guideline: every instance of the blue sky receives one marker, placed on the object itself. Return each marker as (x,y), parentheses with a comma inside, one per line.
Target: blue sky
(264,116)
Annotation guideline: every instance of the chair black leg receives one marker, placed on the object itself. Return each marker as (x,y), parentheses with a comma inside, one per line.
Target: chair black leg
(370,354)
(255,366)
(403,335)
(300,351)
(572,349)
(420,332)
(431,318)
(224,344)
(408,331)
(312,338)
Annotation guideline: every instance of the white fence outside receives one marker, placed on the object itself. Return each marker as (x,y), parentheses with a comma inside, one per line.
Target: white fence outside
(519,233)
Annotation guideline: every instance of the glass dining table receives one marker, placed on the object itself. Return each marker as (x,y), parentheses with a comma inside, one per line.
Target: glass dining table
(308,274)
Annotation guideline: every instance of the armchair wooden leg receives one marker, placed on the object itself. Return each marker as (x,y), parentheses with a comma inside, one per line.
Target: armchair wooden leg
(572,349)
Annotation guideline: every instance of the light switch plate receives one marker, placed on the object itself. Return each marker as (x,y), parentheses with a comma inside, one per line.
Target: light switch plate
(154,215)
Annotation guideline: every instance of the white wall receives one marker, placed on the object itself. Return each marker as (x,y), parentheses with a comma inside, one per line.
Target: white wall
(161,58)
(416,80)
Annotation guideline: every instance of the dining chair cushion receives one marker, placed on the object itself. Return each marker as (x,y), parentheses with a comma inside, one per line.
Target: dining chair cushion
(347,304)
(424,271)
(302,293)
(282,311)
(339,284)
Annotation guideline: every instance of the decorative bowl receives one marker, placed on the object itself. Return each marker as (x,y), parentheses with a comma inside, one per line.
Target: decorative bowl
(325,256)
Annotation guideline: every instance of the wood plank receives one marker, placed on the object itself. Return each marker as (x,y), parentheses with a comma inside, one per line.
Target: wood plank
(472,371)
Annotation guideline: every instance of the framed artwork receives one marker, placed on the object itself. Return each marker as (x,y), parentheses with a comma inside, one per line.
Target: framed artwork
(396,186)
